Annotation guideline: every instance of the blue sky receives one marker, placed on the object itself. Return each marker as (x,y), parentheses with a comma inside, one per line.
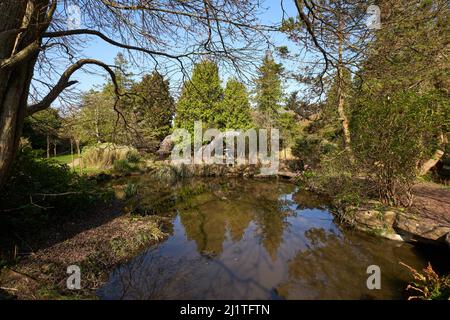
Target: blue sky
(105,52)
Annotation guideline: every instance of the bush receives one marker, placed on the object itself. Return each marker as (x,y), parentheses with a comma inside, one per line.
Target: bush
(40,189)
(390,137)
(133,157)
(311,148)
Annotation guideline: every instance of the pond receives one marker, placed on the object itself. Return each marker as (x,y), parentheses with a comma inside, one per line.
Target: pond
(249,239)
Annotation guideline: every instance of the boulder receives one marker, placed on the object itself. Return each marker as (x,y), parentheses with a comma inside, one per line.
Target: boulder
(165,147)
(377,222)
(422,228)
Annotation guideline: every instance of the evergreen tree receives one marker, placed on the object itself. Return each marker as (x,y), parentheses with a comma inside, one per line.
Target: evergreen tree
(153,109)
(269,91)
(235,107)
(200,97)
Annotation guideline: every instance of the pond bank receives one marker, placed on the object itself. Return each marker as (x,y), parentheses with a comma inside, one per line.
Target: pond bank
(97,243)
(427,220)
(100,241)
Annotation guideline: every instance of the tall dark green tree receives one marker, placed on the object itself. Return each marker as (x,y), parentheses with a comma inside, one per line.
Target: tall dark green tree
(200,97)
(268,91)
(153,109)
(235,107)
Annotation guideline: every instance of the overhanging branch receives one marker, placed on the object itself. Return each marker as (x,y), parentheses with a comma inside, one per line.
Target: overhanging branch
(56,34)
(64,82)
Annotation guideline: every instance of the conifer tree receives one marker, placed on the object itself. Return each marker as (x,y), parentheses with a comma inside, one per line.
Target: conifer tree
(200,97)
(269,91)
(235,107)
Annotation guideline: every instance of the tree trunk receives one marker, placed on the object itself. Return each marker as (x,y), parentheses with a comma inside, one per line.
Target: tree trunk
(15,79)
(54,149)
(71,153)
(438,154)
(48,146)
(77,142)
(341,91)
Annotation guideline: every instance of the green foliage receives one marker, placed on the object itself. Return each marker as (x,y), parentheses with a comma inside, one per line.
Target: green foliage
(312,148)
(122,166)
(428,285)
(153,109)
(235,107)
(200,97)
(268,91)
(131,189)
(142,117)
(390,136)
(96,120)
(40,189)
(289,128)
(133,157)
(40,125)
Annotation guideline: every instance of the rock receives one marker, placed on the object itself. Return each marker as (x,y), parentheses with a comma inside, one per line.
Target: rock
(371,219)
(421,229)
(377,222)
(165,147)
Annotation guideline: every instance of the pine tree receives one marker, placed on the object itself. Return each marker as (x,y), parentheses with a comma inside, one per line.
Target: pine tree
(235,107)
(153,109)
(200,97)
(269,91)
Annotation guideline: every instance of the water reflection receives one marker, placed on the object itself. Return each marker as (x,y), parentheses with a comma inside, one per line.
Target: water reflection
(257,240)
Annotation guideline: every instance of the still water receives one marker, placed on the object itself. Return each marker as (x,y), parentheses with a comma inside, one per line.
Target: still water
(247,239)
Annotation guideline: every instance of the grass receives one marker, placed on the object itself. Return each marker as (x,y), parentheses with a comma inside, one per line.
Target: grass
(67,159)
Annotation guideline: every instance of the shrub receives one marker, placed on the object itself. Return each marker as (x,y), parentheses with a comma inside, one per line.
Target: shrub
(312,148)
(390,137)
(133,157)
(39,189)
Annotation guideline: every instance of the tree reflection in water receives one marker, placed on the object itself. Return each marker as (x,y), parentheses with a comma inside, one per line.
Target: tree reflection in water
(244,239)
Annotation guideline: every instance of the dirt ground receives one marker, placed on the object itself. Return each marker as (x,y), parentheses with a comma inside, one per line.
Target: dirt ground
(432,201)
(97,244)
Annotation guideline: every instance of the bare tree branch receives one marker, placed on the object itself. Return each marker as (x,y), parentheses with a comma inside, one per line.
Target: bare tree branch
(64,83)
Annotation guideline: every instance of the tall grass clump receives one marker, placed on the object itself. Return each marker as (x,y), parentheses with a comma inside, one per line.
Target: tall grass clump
(173,173)
(104,155)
